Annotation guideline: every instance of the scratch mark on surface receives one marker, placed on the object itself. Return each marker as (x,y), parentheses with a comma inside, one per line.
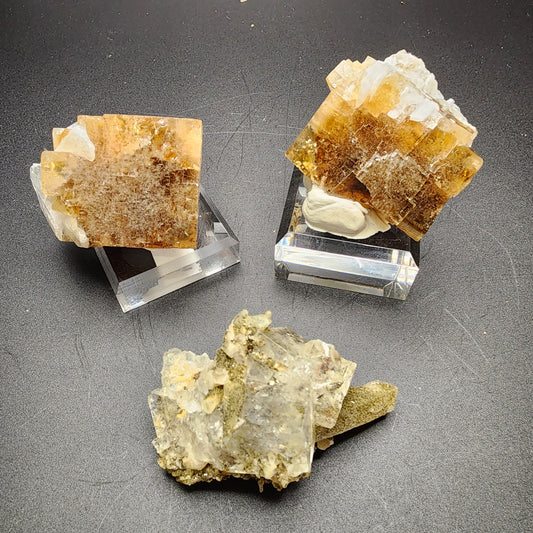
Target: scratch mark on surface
(462,361)
(249,115)
(129,435)
(293,299)
(298,128)
(458,322)
(500,244)
(115,500)
(150,325)
(439,355)
(82,356)
(273,105)
(233,132)
(223,100)
(454,353)
(289,96)
(241,157)
(378,496)
(513,270)
(14,358)
(137,327)
(138,332)
(394,420)
(248,93)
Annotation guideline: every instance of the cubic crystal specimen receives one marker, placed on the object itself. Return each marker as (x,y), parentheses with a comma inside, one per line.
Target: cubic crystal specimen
(258,409)
(386,138)
(124,180)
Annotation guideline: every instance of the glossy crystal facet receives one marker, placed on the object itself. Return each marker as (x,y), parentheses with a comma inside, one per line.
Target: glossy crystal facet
(386,137)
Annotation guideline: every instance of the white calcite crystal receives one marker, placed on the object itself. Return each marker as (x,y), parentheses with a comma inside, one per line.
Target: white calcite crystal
(259,408)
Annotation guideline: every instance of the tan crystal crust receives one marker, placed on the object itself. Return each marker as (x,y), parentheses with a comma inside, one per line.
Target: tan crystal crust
(386,138)
(126,180)
(361,405)
(259,408)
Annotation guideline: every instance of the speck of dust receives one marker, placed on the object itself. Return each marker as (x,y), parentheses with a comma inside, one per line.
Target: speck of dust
(251,25)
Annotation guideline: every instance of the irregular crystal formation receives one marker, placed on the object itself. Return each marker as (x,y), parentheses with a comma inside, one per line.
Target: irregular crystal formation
(255,411)
(386,138)
(361,405)
(124,180)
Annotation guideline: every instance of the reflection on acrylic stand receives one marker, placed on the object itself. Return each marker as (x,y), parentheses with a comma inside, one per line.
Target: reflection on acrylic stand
(385,264)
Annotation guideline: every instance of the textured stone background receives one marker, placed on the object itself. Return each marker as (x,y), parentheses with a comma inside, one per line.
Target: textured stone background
(75,372)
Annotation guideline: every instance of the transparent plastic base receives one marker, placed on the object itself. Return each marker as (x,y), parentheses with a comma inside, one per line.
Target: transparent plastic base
(139,276)
(385,264)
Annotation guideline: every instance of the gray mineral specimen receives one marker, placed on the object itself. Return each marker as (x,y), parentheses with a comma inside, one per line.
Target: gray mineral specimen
(258,409)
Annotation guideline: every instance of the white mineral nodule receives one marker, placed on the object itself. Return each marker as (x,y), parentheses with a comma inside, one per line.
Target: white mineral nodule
(340,216)
(258,409)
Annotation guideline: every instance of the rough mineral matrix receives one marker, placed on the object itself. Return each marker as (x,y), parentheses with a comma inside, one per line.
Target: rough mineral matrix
(259,409)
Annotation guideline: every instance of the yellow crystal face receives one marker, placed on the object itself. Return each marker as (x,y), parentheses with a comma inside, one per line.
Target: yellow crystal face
(125,180)
(385,137)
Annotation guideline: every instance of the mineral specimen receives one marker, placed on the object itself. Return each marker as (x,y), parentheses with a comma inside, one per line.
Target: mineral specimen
(259,408)
(386,137)
(124,180)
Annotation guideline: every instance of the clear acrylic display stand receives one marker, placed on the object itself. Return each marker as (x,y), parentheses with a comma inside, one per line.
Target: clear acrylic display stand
(385,264)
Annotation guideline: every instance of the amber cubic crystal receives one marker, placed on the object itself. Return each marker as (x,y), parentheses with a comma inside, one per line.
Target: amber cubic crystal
(386,138)
(124,180)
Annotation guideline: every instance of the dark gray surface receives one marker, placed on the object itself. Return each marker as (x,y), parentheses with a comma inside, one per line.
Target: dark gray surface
(76,430)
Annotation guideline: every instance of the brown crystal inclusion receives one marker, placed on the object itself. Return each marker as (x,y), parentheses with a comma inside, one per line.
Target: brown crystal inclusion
(404,169)
(142,188)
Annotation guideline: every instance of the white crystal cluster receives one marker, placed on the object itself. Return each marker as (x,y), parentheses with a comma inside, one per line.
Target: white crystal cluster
(253,411)
(75,141)
(419,100)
